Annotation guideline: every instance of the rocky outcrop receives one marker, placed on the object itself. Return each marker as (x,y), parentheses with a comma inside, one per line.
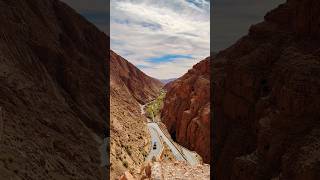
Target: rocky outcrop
(52,92)
(186,110)
(267,98)
(171,170)
(130,139)
(179,170)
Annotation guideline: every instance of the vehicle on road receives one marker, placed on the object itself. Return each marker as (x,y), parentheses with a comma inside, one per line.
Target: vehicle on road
(154,145)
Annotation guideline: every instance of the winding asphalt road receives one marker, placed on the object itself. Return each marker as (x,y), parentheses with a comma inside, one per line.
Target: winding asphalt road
(173,148)
(156,133)
(154,139)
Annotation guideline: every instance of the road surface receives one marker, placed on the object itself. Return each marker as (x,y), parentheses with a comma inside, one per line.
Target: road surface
(173,148)
(154,139)
(190,156)
(156,136)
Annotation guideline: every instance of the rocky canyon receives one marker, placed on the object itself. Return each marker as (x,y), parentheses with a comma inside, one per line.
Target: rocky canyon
(54,99)
(130,138)
(266,90)
(52,92)
(186,110)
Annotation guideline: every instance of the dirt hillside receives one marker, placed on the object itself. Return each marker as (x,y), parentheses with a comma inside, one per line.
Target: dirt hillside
(130,139)
(52,92)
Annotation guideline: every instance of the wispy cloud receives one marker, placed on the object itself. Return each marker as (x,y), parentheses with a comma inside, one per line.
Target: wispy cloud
(163,38)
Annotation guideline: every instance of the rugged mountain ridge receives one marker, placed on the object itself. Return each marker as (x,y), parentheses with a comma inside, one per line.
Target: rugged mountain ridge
(267,98)
(130,139)
(52,92)
(186,110)
(141,86)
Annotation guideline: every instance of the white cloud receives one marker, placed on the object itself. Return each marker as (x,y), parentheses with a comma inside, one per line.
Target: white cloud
(142,29)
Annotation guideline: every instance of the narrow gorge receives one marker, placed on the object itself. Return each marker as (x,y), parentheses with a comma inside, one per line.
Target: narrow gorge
(139,137)
(130,140)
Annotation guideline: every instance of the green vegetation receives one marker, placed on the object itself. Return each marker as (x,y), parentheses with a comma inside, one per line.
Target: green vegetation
(153,109)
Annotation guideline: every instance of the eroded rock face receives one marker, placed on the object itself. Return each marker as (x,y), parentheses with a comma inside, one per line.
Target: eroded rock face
(186,111)
(130,139)
(267,98)
(52,92)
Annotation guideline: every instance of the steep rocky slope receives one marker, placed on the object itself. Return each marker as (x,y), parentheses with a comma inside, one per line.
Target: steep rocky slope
(267,98)
(124,74)
(52,92)
(186,110)
(130,139)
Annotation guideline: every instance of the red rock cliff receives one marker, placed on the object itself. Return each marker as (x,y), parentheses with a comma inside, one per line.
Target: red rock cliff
(186,110)
(267,98)
(52,92)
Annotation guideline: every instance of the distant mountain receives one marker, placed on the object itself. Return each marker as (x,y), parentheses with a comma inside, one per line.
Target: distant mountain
(166,81)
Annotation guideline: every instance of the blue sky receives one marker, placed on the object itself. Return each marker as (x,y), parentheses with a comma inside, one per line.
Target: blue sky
(163,38)
(168,57)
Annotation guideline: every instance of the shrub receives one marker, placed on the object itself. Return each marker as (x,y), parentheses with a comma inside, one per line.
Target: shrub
(154,108)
